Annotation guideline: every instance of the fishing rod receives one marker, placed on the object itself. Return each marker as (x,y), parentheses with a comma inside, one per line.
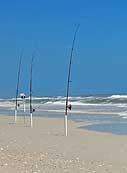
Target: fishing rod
(17,86)
(31,80)
(68,107)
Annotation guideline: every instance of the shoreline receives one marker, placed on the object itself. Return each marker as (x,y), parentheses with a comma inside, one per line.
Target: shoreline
(103,123)
(74,111)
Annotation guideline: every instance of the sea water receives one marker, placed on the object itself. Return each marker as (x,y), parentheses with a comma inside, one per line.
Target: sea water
(106,113)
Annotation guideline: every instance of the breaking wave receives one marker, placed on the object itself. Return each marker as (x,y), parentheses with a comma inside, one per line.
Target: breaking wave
(96,103)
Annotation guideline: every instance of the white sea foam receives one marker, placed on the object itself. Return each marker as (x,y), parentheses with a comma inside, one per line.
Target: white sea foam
(55,103)
(118,97)
(124,117)
(123,113)
(122,105)
(6,104)
(49,103)
(76,103)
(79,103)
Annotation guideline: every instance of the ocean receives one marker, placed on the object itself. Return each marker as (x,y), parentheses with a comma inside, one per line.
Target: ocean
(106,113)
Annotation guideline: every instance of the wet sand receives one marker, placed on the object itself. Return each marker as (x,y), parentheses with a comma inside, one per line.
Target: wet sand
(45,149)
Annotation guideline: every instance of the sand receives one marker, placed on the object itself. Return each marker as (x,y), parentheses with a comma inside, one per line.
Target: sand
(45,149)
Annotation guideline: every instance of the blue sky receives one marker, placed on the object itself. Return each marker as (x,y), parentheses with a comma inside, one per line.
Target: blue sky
(47,28)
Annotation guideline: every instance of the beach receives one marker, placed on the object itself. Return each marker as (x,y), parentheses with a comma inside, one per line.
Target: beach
(44,148)
(63,87)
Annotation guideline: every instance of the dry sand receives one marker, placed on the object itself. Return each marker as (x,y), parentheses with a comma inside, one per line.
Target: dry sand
(45,149)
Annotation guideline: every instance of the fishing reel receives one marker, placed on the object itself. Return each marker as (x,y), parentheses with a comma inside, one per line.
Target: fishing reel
(69,107)
(32,109)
